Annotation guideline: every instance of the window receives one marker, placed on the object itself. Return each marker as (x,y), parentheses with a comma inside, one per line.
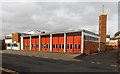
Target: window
(94,39)
(43,46)
(70,46)
(9,45)
(99,32)
(56,46)
(78,46)
(37,45)
(32,45)
(85,37)
(62,46)
(97,39)
(67,46)
(46,45)
(25,45)
(28,45)
(40,45)
(53,45)
(89,38)
(100,26)
(100,21)
(75,46)
(8,37)
(49,46)
(14,45)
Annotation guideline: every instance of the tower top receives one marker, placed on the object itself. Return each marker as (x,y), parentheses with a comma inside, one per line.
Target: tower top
(103,9)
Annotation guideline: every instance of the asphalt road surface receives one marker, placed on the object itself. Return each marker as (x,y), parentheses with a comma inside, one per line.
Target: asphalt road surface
(103,62)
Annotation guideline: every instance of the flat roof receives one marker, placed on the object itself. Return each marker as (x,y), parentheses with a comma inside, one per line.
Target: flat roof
(63,32)
(14,33)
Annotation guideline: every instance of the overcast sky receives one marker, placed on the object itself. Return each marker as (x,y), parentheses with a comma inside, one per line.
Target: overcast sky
(57,16)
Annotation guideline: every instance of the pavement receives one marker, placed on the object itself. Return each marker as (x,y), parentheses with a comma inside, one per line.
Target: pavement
(44,54)
(102,62)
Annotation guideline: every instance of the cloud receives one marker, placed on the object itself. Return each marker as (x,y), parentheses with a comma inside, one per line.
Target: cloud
(56,16)
(59,0)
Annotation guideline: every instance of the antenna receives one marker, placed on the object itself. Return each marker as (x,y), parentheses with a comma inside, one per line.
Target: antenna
(103,9)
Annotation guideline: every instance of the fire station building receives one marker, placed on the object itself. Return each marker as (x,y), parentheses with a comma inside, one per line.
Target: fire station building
(72,41)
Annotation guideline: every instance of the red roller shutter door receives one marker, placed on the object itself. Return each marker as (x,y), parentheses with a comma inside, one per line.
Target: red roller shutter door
(25,44)
(55,44)
(43,44)
(69,44)
(37,43)
(28,43)
(33,43)
(47,43)
(61,44)
(77,44)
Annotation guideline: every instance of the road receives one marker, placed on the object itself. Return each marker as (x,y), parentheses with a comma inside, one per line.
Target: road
(103,62)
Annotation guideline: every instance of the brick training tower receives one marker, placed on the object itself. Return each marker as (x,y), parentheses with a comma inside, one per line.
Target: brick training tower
(102,26)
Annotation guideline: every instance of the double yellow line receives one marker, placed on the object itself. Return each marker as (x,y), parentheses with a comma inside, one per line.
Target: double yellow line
(9,71)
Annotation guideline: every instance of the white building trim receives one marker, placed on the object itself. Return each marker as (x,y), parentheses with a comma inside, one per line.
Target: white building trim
(50,42)
(22,43)
(64,42)
(16,48)
(82,48)
(39,43)
(8,35)
(8,40)
(113,40)
(99,48)
(30,43)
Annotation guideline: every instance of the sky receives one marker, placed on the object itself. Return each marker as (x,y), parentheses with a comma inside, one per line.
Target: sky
(57,16)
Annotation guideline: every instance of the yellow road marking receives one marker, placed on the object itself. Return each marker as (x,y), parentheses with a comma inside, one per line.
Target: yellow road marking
(7,70)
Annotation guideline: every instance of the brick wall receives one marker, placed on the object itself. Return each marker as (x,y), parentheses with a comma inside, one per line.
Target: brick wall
(16,37)
(90,47)
(109,47)
(102,47)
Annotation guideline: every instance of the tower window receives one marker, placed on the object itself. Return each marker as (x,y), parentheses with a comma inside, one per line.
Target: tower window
(100,21)
(99,32)
(100,26)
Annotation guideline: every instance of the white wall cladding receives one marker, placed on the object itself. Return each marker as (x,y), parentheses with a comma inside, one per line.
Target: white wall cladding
(8,41)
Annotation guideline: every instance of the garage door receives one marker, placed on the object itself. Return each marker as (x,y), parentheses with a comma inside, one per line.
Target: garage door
(35,43)
(26,44)
(45,43)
